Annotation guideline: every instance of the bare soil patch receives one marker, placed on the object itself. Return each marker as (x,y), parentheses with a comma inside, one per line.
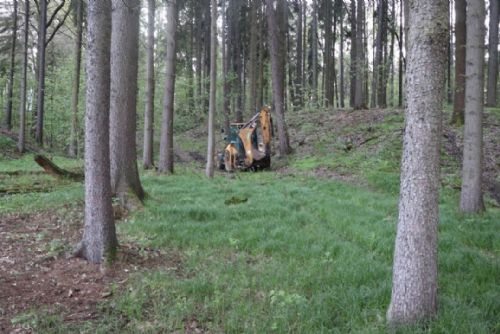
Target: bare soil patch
(36,273)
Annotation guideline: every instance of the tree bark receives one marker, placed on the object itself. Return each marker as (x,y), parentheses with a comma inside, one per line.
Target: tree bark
(22,105)
(460,53)
(314,52)
(124,60)
(40,101)
(299,68)
(253,57)
(402,36)
(277,79)
(471,199)
(491,99)
(209,171)
(147,159)
(382,68)
(10,86)
(449,95)
(73,142)
(359,92)
(391,54)
(166,164)
(414,290)
(353,54)
(225,69)
(342,91)
(99,237)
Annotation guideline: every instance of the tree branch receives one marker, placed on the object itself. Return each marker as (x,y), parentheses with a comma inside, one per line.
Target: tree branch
(54,14)
(59,25)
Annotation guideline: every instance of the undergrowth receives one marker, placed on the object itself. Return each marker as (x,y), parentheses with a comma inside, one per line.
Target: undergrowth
(275,253)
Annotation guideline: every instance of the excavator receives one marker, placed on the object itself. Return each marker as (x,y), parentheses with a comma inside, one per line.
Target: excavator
(249,144)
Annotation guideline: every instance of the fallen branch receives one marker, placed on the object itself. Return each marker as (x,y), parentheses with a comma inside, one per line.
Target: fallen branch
(52,169)
(25,190)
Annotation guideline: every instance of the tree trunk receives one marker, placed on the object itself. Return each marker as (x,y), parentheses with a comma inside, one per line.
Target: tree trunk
(391,55)
(299,68)
(342,92)
(22,106)
(225,69)
(491,99)
(401,59)
(327,56)
(73,142)
(353,54)
(382,69)
(414,289)
(209,171)
(199,53)
(124,61)
(206,56)
(471,199)
(359,92)
(460,53)
(99,236)
(189,65)
(166,164)
(42,30)
(253,57)
(277,79)
(10,86)
(377,64)
(262,59)
(147,159)
(449,95)
(314,52)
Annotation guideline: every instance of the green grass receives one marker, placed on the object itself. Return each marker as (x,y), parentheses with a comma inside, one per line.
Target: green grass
(299,256)
(269,253)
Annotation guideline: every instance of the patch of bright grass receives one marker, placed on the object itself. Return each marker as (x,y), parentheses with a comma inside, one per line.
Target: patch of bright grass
(300,255)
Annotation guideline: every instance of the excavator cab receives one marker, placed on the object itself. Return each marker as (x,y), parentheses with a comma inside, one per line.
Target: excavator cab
(249,144)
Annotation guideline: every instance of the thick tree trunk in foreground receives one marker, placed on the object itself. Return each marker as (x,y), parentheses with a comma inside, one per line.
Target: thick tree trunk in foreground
(22,106)
(209,171)
(277,78)
(471,199)
(10,86)
(414,290)
(491,99)
(124,61)
(460,52)
(99,237)
(147,158)
(166,164)
(73,143)
(40,100)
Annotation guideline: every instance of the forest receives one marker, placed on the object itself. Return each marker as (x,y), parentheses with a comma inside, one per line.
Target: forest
(249,166)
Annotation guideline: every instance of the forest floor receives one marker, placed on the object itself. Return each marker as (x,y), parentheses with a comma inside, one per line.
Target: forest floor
(304,248)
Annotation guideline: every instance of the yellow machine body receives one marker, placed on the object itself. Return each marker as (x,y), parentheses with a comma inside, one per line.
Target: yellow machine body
(249,144)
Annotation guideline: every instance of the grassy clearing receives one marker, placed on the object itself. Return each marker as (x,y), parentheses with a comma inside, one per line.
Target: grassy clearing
(299,255)
(269,253)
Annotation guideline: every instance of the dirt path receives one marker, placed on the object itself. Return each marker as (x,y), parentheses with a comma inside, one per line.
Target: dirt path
(36,274)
